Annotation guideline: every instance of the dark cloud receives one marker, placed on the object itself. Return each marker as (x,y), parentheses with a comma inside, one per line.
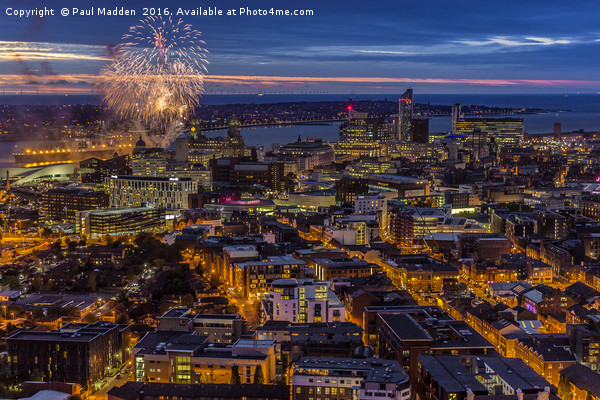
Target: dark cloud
(450,39)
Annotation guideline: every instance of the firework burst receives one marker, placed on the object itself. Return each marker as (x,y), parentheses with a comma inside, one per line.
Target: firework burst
(157,74)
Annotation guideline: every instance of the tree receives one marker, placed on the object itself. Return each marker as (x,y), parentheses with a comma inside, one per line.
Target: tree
(45,232)
(37,313)
(93,282)
(214,281)
(259,377)
(71,245)
(232,309)
(122,319)
(202,378)
(188,300)
(289,182)
(6,376)
(37,375)
(564,388)
(89,318)
(235,376)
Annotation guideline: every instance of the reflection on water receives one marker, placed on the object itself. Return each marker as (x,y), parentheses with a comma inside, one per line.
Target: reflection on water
(268,135)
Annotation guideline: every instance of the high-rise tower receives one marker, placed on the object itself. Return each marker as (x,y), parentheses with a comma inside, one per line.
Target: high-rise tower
(456,116)
(405,113)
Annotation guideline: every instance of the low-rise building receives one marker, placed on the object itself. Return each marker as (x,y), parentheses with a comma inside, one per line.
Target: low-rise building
(579,382)
(347,379)
(119,221)
(78,353)
(302,300)
(254,278)
(183,357)
(402,338)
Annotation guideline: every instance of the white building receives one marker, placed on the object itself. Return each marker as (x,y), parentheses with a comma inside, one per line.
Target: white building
(302,300)
(137,191)
(349,378)
(370,203)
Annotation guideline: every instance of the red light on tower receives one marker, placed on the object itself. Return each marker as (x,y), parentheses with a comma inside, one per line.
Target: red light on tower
(349,108)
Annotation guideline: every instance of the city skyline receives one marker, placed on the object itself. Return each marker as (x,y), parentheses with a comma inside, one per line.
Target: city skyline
(435,47)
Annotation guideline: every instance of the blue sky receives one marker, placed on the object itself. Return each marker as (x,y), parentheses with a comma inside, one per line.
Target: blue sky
(351,46)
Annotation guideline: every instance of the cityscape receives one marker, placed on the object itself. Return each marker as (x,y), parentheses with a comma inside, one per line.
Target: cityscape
(177,228)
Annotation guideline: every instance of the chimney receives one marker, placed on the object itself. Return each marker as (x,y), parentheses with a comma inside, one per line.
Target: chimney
(519,394)
(545,395)
(7,181)
(470,394)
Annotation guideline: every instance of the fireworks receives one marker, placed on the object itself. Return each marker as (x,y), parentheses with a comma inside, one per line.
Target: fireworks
(157,74)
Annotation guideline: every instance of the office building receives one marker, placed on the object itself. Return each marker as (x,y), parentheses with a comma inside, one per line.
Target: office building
(94,170)
(75,353)
(365,129)
(139,191)
(404,338)
(182,357)
(218,328)
(348,379)
(119,221)
(241,171)
(254,278)
(347,189)
(62,204)
(449,377)
(302,300)
(308,153)
(456,116)
(406,186)
(405,116)
(420,130)
(419,272)
(503,132)
(147,161)
(199,391)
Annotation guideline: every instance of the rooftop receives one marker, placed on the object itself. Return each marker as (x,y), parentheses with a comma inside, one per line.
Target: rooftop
(372,369)
(451,374)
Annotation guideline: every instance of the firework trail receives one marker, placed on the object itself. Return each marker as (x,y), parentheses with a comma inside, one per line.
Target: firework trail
(157,73)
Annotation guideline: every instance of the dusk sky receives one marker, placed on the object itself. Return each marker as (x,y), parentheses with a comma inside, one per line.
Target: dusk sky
(350,46)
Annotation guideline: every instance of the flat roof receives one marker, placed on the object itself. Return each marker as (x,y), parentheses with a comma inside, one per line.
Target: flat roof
(374,369)
(451,374)
(405,327)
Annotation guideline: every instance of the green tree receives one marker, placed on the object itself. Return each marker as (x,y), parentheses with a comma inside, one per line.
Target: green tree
(45,232)
(89,318)
(188,300)
(6,377)
(289,182)
(122,319)
(232,309)
(37,313)
(235,376)
(564,388)
(71,245)
(215,281)
(93,282)
(37,375)
(259,377)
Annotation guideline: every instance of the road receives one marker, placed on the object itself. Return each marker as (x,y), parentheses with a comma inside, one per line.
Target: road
(111,382)
(247,309)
